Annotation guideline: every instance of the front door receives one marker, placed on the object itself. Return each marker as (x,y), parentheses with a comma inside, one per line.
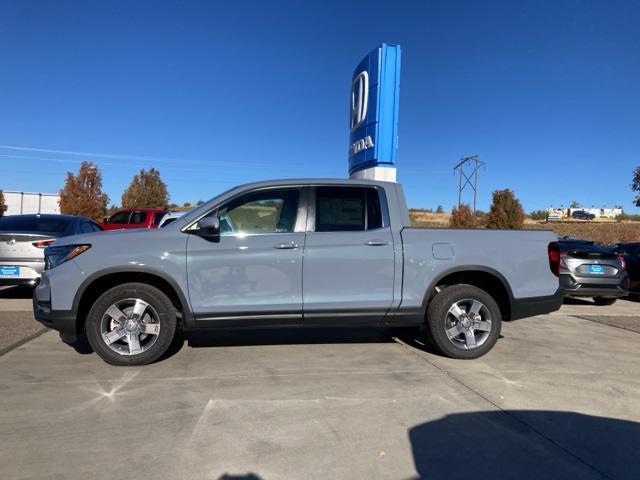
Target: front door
(348,257)
(254,271)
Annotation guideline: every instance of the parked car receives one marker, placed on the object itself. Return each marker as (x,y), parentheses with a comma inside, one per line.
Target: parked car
(134,218)
(590,270)
(24,237)
(170,217)
(238,261)
(582,215)
(631,254)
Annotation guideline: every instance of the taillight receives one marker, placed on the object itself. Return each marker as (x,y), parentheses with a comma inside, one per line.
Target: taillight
(563,261)
(623,262)
(42,243)
(554,258)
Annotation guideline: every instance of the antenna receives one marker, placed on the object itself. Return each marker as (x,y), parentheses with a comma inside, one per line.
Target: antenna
(474,163)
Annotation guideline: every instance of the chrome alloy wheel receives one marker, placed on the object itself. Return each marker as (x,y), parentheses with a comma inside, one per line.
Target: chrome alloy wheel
(468,324)
(130,326)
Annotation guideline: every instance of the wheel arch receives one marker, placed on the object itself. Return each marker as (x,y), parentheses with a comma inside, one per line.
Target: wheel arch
(485,278)
(99,282)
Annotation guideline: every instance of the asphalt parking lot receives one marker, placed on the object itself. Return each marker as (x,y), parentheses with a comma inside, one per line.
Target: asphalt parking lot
(558,397)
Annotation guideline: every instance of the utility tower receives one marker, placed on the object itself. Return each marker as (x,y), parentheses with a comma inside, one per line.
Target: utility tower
(468,164)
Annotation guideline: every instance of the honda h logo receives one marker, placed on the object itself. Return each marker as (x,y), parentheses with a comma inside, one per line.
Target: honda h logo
(359,99)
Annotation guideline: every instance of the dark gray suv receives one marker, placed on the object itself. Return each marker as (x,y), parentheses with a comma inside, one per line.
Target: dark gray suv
(589,270)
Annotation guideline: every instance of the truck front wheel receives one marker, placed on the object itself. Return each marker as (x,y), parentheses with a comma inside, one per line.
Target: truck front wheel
(131,324)
(463,321)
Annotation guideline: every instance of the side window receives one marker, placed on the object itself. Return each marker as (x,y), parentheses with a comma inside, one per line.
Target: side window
(158,218)
(345,209)
(120,217)
(374,211)
(95,227)
(268,211)
(138,217)
(85,227)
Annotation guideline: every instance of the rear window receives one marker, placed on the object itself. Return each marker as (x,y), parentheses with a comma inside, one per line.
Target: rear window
(567,247)
(343,209)
(138,217)
(24,223)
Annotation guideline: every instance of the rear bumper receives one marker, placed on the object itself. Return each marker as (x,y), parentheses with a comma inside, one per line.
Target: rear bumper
(532,306)
(607,287)
(30,272)
(9,282)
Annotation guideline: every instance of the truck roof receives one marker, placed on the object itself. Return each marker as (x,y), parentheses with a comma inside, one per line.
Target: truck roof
(310,181)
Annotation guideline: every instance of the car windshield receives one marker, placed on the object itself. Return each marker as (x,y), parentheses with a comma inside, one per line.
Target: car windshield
(34,223)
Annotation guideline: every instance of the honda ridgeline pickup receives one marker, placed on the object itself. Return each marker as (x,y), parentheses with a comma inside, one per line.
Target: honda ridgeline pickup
(295,253)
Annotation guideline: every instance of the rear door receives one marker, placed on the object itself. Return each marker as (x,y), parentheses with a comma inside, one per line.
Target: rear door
(138,219)
(348,257)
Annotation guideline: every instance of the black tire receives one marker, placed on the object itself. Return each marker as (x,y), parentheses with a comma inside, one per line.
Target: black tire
(602,301)
(162,305)
(437,318)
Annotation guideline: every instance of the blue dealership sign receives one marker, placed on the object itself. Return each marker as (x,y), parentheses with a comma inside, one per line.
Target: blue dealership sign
(375,95)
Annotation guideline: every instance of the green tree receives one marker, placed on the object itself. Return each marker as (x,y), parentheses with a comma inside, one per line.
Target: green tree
(635,185)
(506,211)
(82,193)
(3,207)
(147,190)
(462,217)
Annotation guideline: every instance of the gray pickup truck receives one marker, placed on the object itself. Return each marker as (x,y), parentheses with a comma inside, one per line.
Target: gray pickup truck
(295,253)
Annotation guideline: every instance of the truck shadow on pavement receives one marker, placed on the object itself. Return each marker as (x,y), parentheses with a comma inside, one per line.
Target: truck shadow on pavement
(526,444)
(294,336)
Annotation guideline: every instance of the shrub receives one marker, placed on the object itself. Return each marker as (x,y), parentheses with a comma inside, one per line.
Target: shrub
(462,217)
(538,215)
(506,211)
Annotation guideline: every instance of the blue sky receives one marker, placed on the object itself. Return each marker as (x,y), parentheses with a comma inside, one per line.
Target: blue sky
(216,94)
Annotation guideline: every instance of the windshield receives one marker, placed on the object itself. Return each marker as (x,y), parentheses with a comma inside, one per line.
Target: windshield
(34,223)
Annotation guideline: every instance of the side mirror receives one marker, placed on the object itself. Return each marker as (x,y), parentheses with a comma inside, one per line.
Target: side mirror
(209,227)
(105,220)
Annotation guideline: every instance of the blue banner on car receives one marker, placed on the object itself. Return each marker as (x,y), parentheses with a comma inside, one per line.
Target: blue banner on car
(374,106)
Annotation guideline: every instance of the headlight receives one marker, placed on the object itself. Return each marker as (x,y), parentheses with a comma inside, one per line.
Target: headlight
(54,256)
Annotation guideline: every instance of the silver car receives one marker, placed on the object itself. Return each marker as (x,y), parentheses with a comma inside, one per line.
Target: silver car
(23,239)
(589,270)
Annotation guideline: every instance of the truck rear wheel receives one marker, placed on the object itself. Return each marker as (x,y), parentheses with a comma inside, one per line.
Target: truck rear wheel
(131,324)
(463,321)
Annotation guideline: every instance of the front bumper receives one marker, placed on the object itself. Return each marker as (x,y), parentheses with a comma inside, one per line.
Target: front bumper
(64,321)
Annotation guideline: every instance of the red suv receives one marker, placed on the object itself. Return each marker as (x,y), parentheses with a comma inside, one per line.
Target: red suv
(134,218)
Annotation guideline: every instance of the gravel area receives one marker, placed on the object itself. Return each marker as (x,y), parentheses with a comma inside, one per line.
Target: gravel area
(17,328)
(626,322)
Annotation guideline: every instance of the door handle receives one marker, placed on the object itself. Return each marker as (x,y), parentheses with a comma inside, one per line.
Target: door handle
(376,243)
(287,246)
